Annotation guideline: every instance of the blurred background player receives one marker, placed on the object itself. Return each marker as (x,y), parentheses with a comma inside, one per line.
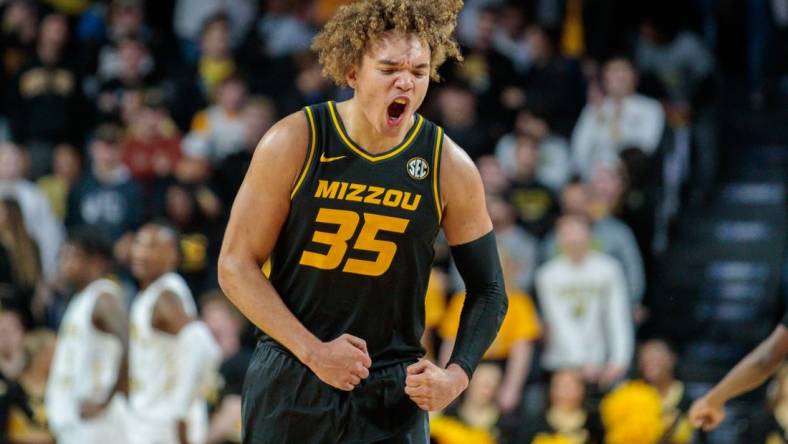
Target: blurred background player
(90,361)
(172,356)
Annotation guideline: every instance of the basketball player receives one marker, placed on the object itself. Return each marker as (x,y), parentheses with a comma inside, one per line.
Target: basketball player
(709,411)
(347,199)
(171,355)
(88,367)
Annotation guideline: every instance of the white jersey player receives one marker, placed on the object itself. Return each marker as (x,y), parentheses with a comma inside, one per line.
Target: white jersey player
(88,369)
(172,356)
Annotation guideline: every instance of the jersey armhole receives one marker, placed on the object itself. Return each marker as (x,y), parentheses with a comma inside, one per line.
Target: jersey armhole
(436,174)
(308,161)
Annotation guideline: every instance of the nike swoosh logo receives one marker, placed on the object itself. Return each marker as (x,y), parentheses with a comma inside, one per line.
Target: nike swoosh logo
(325,159)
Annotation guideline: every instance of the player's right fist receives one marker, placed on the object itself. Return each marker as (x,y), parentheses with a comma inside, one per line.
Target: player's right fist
(341,363)
(706,414)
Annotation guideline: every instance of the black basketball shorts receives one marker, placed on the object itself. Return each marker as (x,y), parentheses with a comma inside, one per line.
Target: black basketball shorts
(284,402)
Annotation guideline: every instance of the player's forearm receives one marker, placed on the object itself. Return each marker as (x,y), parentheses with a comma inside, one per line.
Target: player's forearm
(751,372)
(485,301)
(246,287)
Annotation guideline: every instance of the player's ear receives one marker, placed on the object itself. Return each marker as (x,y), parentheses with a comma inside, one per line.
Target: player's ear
(352,76)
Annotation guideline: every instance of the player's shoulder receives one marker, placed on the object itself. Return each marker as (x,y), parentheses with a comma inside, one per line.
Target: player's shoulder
(283,148)
(288,137)
(458,173)
(455,161)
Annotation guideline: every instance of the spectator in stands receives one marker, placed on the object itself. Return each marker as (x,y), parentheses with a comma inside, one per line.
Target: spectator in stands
(657,366)
(640,177)
(484,70)
(460,119)
(284,28)
(66,169)
(12,346)
(41,223)
(125,20)
(226,324)
(493,177)
(134,72)
(604,192)
(39,347)
(197,84)
(610,236)
(676,59)
(151,148)
(566,414)
(191,17)
(512,347)
(46,99)
(106,197)
(584,303)
(17,43)
(619,120)
(13,397)
(554,167)
(310,85)
(534,202)
(218,131)
(22,253)
(553,85)
(519,247)
(195,211)
(257,117)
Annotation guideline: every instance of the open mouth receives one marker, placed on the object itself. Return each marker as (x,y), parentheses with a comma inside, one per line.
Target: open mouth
(396,111)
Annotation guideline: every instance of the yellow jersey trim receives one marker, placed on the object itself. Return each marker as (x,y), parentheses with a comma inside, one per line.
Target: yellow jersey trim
(364,154)
(435,173)
(308,163)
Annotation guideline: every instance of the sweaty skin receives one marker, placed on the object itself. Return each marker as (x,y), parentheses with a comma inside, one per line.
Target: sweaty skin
(395,68)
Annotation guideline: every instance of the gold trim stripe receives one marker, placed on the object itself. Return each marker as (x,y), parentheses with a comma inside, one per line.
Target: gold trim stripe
(435,174)
(312,138)
(364,154)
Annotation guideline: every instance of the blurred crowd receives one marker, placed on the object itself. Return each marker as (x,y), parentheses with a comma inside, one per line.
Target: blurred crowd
(590,121)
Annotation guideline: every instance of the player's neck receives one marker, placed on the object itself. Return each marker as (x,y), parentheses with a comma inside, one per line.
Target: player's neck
(363,132)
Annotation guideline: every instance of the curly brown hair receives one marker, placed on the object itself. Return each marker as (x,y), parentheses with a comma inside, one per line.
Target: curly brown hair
(346,37)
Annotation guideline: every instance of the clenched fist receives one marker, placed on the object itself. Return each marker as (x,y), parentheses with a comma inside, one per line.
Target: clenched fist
(341,363)
(706,413)
(433,388)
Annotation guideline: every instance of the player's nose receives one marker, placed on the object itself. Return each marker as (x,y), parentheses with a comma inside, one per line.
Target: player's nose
(405,81)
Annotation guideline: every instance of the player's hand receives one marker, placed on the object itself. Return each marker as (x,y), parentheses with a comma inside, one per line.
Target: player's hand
(341,363)
(433,388)
(706,413)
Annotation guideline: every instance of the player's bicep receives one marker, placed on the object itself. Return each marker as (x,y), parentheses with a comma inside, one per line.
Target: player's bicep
(465,216)
(263,201)
(169,314)
(109,316)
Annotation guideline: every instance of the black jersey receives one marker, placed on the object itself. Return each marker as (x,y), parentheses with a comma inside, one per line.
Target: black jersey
(355,253)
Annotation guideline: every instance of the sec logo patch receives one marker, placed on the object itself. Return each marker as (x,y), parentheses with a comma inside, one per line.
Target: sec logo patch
(418,168)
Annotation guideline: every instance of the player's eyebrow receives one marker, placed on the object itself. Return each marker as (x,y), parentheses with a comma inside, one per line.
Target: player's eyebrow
(387,62)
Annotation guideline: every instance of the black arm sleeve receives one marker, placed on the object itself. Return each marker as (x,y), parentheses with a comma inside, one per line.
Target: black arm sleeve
(485,300)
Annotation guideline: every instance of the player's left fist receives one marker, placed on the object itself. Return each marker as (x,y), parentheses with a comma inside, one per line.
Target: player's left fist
(433,388)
